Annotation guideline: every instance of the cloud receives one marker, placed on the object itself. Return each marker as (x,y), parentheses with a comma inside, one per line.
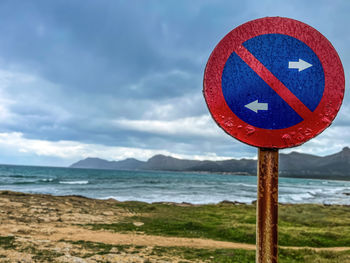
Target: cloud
(328,142)
(201,126)
(128,75)
(70,150)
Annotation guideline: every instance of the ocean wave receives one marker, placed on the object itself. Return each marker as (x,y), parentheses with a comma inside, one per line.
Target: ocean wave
(18,176)
(157,187)
(47,180)
(315,192)
(25,182)
(334,190)
(153,182)
(73,182)
(245,185)
(296,198)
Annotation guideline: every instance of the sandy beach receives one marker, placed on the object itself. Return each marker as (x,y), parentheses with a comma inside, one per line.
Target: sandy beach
(45,228)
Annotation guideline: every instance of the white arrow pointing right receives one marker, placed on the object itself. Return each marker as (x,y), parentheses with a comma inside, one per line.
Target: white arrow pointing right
(299,65)
(256,106)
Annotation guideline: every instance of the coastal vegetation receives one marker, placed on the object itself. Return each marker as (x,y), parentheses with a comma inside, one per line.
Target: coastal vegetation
(45,228)
(299,225)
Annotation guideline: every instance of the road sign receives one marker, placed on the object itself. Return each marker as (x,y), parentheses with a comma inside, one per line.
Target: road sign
(274,83)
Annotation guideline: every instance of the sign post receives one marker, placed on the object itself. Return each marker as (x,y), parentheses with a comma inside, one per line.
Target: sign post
(267,206)
(273,83)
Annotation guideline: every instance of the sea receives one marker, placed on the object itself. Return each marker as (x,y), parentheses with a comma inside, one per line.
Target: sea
(159,186)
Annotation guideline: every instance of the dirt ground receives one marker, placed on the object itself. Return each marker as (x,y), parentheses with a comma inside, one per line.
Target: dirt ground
(44,228)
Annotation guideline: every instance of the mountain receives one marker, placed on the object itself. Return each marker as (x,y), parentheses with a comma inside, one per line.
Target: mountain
(335,166)
(167,163)
(294,164)
(97,163)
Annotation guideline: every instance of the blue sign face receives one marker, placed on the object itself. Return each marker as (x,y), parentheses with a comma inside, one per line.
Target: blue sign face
(289,60)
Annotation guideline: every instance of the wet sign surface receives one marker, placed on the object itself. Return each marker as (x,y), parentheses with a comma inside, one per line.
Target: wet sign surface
(274,82)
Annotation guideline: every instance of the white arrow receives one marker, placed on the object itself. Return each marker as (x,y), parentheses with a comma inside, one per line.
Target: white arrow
(300,65)
(255,106)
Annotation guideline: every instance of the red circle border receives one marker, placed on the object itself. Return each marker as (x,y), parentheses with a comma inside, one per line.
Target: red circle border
(298,134)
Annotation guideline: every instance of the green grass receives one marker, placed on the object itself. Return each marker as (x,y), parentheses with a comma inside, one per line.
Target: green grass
(40,255)
(97,247)
(87,249)
(7,242)
(209,255)
(299,225)
(245,256)
(215,255)
(314,225)
(311,256)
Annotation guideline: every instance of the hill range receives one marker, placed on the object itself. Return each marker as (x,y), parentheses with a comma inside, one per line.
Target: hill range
(294,164)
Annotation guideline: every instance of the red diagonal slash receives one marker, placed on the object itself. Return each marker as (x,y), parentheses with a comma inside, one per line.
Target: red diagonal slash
(273,82)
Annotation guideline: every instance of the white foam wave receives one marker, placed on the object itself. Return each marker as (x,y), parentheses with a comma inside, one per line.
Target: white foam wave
(73,182)
(47,180)
(245,185)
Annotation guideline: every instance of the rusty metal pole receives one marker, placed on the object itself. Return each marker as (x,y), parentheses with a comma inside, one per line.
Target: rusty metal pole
(267,206)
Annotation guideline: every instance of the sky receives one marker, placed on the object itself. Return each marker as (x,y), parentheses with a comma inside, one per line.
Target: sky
(123,79)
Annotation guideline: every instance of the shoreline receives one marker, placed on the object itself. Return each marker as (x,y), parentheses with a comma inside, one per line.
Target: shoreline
(347,179)
(253,203)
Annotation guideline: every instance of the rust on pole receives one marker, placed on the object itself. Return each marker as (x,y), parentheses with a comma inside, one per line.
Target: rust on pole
(267,206)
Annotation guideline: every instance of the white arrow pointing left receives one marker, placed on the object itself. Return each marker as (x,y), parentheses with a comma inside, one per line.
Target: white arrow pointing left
(299,65)
(256,106)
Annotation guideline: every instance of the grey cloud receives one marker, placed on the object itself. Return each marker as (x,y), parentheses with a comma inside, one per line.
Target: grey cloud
(94,62)
(96,48)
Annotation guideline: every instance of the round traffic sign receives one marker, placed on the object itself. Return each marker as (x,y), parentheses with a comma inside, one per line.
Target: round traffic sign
(274,82)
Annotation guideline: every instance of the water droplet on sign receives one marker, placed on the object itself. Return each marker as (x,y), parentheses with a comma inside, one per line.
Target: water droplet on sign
(308,132)
(300,137)
(286,138)
(249,130)
(229,124)
(326,120)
